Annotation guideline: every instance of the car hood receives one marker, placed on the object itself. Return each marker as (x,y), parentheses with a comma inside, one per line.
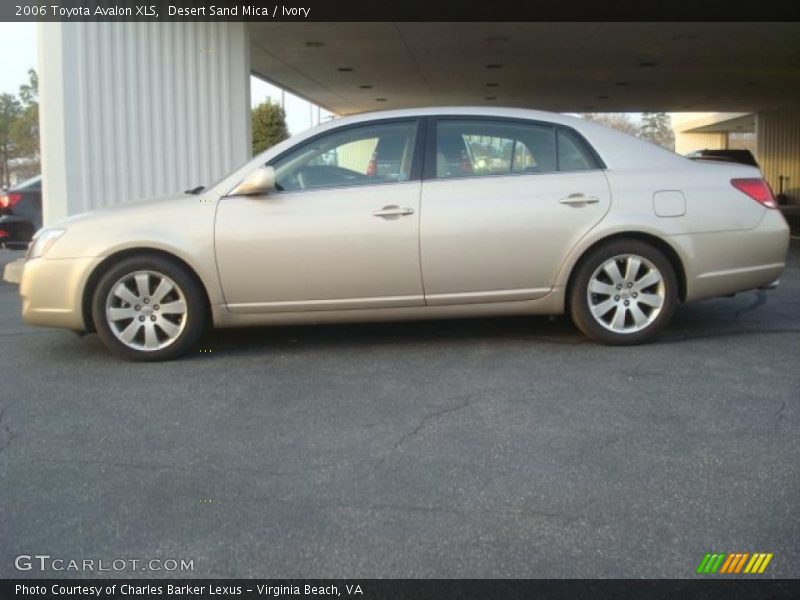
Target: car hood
(139,208)
(164,222)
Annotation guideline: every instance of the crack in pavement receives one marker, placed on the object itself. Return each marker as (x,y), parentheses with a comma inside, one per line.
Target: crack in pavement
(779,415)
(4,428)
(427,418)
(433,415)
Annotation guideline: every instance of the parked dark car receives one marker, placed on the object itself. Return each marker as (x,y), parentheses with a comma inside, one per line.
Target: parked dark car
(21,212)
(744,157)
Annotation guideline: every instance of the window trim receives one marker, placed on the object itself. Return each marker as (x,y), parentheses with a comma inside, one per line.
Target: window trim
(417,160)
(429,167)
(599,165)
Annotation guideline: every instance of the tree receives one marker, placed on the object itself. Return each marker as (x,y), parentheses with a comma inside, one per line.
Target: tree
(619,121)
(10,110)
(25,131)
(657,128)
(269,125)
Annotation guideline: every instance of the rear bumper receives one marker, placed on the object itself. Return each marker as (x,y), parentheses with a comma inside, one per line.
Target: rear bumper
(728,262)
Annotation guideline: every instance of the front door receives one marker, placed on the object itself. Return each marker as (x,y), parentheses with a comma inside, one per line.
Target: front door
(340,232)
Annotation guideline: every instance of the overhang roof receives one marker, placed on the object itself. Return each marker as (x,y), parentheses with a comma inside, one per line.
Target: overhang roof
(577,67)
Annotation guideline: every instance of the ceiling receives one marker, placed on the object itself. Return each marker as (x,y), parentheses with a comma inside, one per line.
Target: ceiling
(566,67)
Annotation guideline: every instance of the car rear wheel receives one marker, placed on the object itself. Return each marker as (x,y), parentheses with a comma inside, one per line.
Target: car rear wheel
(148,308)
(624,293)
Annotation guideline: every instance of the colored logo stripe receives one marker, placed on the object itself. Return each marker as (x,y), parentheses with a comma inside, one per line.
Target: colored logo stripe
(734,563)
(710,563)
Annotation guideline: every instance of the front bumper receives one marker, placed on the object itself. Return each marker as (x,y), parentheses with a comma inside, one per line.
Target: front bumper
(13,271)
(52,290)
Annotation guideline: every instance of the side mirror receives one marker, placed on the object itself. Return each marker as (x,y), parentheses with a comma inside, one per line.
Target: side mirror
(260,181)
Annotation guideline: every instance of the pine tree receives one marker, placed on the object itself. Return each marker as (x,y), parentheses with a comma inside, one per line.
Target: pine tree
(25,130)
(10,111)
(269,125)
(657,128)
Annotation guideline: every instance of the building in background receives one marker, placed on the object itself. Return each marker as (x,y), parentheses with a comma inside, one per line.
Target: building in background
(772,136)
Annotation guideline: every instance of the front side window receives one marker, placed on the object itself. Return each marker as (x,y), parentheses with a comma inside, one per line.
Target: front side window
(466,148)
(362,155)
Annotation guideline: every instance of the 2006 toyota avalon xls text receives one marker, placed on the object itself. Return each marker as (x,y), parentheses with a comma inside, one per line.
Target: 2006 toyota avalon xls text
(411,214)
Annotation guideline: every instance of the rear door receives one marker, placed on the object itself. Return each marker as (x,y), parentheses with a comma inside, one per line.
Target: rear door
(503,203)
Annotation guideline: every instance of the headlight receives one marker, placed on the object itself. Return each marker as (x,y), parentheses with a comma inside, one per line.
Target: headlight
(42,242)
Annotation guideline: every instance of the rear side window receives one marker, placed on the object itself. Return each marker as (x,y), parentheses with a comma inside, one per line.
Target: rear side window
(573,153)
(476,147)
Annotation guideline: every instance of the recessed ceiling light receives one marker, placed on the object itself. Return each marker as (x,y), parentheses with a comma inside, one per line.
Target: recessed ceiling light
(365,87)
(315,44)
(648,63)
(492,84)
(345,69)
(380,99)
(494,66)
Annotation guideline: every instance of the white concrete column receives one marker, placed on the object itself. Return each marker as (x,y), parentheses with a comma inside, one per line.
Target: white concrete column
(131,110)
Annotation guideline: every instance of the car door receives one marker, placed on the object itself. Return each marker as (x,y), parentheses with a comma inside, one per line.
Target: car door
(503,202)
(340,232)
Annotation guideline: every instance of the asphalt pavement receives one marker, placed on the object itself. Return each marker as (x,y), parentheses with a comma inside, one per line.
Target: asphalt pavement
(469,448)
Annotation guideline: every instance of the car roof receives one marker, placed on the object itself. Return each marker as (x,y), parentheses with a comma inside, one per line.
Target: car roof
(467,111)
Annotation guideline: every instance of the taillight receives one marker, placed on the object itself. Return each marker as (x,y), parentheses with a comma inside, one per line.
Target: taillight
(3,233)
(9,200)
(757,189)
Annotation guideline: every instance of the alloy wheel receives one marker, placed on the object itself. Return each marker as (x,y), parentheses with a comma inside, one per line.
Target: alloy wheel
(146,310)
(626,293)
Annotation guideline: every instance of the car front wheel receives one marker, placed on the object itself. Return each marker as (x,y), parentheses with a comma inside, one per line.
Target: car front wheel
(624,293)
(148,308)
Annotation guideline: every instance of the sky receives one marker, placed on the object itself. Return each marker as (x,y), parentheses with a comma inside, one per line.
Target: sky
(18,51)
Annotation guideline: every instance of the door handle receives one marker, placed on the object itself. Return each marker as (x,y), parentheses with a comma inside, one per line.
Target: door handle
(579,199)
(393,211)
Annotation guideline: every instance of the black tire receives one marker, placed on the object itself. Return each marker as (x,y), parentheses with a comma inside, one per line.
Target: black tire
(187,291)
(624,331)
